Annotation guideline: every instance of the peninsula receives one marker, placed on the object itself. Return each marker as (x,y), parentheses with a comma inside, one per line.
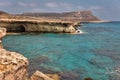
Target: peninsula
(45,22)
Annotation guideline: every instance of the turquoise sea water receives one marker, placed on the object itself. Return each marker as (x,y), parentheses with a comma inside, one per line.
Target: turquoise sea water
(94,54)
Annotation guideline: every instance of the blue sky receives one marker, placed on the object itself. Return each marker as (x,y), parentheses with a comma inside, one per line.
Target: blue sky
(105,9)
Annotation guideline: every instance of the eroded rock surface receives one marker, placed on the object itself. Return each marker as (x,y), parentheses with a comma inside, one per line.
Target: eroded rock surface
(40,76)
(13,66)
(2,34)
(29,24)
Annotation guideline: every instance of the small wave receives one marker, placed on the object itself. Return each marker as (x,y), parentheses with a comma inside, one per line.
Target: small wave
(79,32)
(114,73)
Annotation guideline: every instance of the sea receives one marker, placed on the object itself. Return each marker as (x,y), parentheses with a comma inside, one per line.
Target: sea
(92,55)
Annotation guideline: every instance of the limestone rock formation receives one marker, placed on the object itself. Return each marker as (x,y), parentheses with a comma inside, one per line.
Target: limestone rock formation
(37,26)
(46,22)
(39,76)
(13,66)
(26,24)
(2,34)
(54,76)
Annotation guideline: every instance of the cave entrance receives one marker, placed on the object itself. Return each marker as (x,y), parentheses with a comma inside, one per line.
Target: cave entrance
(20,29)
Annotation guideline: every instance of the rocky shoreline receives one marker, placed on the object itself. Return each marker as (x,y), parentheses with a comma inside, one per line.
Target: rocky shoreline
(45,22)
(14,66)
(29,24)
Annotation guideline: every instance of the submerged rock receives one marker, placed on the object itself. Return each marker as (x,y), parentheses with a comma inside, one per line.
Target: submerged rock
(54,76)
(88,78)
(40,76)
(69,75)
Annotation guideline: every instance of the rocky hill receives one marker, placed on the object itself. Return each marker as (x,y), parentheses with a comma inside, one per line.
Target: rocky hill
(3,13)
(78,16)
(82,16)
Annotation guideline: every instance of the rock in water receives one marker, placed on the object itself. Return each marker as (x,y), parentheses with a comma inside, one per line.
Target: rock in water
(39,76)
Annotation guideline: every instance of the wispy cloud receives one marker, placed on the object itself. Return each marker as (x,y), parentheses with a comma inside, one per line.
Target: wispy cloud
(51,4)
(66,5)
(5,4)
(56,4)
(26,4)
(96,8)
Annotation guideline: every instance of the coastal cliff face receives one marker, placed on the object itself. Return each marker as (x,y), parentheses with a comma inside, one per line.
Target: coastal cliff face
(45,22)
(14,66)
(37,26)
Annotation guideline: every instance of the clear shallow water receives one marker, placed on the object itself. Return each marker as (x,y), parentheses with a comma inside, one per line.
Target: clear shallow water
(95,53)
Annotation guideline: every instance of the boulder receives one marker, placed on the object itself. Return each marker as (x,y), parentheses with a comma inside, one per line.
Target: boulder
(40,76)
(13,66)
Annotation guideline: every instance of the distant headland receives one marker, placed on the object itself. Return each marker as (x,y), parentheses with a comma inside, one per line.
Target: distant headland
(45,22)
(82,16)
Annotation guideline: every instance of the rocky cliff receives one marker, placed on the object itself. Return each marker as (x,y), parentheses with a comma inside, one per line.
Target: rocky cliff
(37,26)
(45,22)
(30,24)
(14,66)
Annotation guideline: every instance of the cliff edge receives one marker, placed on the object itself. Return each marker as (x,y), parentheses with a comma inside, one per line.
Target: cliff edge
(31,24)
(46,22)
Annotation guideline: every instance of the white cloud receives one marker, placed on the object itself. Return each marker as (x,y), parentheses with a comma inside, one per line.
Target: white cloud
(51,4)
(55,5)
(66,5)
(26,4)
(5,4)
(95,8)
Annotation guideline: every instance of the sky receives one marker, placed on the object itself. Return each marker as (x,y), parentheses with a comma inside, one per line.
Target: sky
(104,9)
